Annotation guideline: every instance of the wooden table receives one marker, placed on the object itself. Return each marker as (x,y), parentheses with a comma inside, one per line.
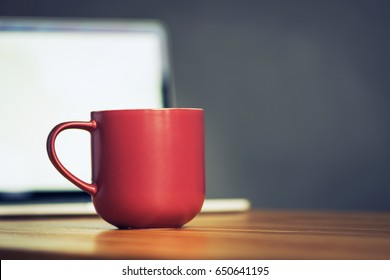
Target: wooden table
(250,235)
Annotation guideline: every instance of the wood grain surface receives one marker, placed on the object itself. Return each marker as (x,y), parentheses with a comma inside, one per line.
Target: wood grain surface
(250,235)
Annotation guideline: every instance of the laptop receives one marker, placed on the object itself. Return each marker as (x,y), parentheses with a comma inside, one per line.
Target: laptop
(55,70)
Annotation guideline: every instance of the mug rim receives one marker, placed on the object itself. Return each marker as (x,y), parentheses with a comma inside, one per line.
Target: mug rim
(149,109)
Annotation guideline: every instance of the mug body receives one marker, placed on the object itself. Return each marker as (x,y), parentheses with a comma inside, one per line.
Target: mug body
(148,166)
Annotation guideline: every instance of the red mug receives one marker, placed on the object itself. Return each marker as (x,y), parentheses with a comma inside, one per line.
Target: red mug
(147,165)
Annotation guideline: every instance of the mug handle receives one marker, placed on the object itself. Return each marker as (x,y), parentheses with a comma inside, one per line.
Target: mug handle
(50,146)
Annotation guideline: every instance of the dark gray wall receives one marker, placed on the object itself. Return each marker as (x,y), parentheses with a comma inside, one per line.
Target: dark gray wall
(297,93)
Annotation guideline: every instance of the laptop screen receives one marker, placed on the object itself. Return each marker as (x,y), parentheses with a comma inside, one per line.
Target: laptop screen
(53,71)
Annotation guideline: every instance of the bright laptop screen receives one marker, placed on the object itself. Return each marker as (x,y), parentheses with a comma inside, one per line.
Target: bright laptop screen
(56,71)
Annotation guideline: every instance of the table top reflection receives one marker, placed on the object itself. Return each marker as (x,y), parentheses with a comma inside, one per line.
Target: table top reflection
(255,234)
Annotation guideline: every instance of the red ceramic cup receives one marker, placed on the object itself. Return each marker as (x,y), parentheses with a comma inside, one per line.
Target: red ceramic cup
(147,165)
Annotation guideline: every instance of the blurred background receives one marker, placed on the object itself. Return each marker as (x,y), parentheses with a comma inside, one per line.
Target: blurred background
(296,93)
